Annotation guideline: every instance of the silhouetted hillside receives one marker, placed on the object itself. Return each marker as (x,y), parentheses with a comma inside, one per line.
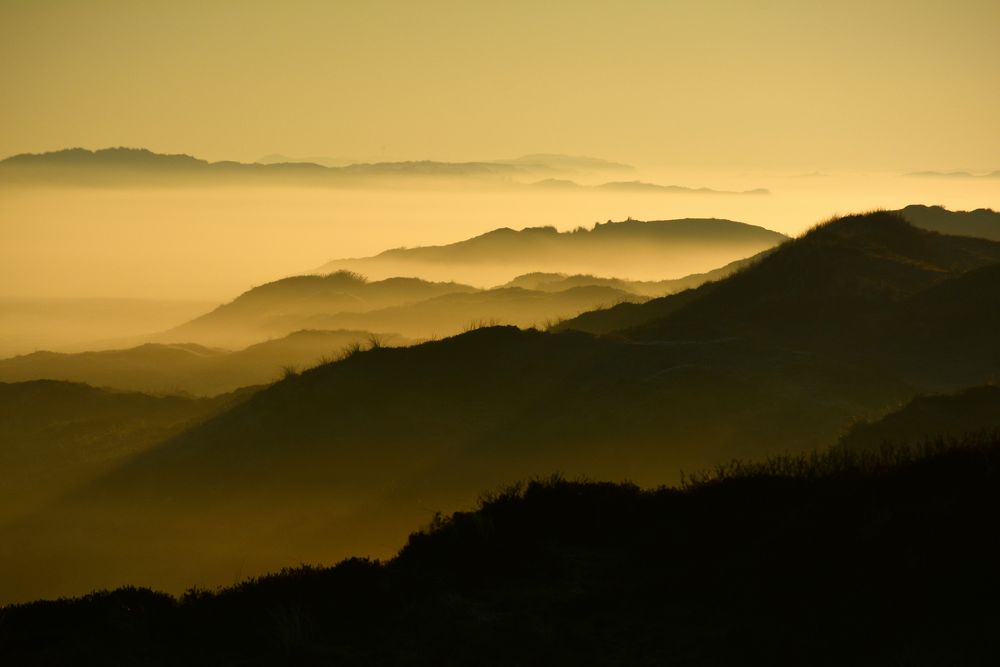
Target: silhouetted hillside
(831,560)
(188,368)
(929,418)
(631,249)
(57,435)
(982,223)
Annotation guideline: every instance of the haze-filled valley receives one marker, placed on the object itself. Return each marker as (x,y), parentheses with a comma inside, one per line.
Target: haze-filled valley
(491,334)
(357,390)
(350,454)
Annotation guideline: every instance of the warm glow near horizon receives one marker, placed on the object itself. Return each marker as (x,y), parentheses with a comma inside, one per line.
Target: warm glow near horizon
(790,85)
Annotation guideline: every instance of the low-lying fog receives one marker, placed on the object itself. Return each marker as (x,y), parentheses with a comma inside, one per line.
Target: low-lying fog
(193,246)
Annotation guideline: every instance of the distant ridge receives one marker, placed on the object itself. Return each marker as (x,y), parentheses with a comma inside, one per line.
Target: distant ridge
(129,165)
(116,166)
(982,223)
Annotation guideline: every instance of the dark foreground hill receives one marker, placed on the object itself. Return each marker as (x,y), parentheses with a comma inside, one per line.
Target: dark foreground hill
(888,558)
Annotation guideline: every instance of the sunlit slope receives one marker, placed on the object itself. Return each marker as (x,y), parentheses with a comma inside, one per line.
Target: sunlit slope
(931,418)
(631,249)
(187,367)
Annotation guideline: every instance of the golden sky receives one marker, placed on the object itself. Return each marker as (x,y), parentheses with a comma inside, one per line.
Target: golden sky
(799,84)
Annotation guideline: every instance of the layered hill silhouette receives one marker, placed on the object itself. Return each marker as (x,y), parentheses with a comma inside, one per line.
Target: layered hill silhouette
(187,367)
(879,559)
(783,355)
(291,304)
(413,307)
(630,249)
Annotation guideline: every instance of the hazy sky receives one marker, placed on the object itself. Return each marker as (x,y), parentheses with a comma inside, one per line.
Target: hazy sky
(799,84)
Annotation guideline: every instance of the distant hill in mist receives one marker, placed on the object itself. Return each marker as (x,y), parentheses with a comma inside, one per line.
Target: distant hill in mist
(139,166)
(631,249)
(304,302)
(558,282)
(415,308)
(110,166)
(983,222)
(186,367)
